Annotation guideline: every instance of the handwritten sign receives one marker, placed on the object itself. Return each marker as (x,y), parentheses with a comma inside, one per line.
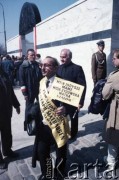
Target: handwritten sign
(66,91)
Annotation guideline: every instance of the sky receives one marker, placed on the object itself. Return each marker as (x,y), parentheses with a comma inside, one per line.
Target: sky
(12,9)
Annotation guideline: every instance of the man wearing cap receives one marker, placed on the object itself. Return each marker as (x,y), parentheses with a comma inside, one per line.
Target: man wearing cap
(98,64)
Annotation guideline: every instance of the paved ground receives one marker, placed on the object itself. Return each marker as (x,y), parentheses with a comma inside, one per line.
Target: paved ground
(85,154)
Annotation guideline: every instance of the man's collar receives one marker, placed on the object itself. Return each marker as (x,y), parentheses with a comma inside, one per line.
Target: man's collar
(51,79)
(66,65)
(101,52)
(31,62)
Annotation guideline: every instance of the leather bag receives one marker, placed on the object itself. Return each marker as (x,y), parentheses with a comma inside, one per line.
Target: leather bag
(34,118)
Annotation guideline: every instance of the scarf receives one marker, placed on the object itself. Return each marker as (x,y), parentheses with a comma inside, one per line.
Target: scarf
(58,124)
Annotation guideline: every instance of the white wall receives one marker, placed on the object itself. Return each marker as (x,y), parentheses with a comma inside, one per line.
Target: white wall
(82,18)
(13,46)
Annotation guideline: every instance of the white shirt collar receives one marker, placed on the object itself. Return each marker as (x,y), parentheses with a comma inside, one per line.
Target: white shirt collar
(51,81)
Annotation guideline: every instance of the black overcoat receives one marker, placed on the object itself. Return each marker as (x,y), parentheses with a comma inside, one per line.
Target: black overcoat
(8,99)
(74,73)
(29,78)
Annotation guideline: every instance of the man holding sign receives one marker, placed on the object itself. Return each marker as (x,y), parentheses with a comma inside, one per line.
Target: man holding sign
(55,129)
(74,73)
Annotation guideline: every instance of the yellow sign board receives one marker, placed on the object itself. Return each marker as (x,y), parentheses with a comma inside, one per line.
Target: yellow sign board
(66,91)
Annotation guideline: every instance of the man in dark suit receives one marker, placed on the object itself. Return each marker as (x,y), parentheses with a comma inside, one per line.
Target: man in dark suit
(8,100)
(30,76)
(74,73)
(53,118)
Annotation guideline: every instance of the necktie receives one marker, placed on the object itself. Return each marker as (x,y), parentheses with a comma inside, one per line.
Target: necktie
(32,66)
(47,84)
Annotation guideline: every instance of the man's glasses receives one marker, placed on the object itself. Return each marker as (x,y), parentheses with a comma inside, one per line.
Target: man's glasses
(46,65)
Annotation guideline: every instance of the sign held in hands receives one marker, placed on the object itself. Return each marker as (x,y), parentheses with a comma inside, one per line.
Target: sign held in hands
(66,91)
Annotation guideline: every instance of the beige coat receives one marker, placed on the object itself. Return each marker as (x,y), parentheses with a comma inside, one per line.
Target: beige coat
(111,90)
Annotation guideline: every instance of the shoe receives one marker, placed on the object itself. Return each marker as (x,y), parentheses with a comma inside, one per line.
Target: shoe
(3,165)
(11,154)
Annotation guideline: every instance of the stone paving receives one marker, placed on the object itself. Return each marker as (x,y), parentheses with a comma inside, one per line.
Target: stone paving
(85,153)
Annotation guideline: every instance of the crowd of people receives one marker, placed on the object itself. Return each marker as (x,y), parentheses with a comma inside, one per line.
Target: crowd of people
(35,77)
(11,64)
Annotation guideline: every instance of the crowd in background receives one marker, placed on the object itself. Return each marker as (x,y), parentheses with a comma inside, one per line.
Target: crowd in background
(11,64)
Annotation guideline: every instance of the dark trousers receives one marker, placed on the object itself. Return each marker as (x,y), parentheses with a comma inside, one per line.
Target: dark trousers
(6,136)
(44,148)
(74,124)
(29,104)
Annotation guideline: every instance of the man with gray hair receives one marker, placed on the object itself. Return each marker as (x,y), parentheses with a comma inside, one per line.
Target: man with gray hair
(74,73)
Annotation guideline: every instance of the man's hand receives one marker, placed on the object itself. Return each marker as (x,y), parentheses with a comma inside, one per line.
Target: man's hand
(79,107)
(60,111)
(26,98)
(18,110)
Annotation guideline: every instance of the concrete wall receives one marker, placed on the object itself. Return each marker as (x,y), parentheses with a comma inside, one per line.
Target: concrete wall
(13,46)
(79,27)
